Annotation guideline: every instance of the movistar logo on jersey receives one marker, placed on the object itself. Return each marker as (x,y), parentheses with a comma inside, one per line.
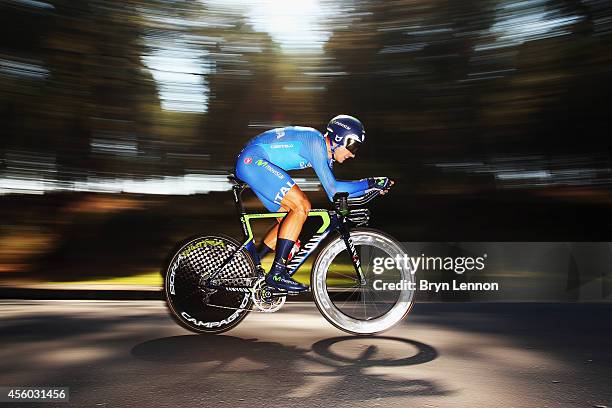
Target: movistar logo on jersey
(266,165)
(276,278)
(281,146)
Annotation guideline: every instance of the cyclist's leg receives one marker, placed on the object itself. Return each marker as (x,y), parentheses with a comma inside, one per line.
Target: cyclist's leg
(268,243)
(277,190)
(288,228)
(298,206)
(252,169)
(295,202)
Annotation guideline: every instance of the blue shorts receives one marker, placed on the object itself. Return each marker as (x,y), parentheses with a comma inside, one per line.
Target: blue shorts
(269,182)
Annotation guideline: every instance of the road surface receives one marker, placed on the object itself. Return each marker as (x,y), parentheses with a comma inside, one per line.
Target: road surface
(131,354)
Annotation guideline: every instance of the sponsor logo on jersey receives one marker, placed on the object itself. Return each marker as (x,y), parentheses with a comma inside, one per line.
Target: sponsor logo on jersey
(267,166)
(279,133)
(281,146)
(284,190)
(248,160)
(275,172)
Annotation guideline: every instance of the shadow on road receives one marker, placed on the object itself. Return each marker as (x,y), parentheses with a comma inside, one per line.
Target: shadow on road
(330,368)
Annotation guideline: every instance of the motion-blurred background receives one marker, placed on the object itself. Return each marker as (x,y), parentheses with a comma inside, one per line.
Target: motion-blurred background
(119,120)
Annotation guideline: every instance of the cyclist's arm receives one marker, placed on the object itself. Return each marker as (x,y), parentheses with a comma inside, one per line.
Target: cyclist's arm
(318,153)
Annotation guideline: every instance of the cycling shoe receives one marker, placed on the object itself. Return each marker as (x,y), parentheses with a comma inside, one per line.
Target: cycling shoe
(280,279)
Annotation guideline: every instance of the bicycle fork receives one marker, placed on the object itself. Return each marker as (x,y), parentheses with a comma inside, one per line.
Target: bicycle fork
(350,247)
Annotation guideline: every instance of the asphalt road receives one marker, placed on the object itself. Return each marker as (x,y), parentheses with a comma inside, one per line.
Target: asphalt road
(131,354)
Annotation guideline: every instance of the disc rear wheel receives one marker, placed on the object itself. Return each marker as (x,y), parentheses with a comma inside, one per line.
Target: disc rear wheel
(206,310)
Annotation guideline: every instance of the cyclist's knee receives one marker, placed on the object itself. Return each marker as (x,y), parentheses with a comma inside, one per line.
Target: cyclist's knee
(306,206)
(297,202)
(302,207)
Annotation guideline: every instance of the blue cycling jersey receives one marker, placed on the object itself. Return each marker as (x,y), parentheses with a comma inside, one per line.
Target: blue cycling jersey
(266,158)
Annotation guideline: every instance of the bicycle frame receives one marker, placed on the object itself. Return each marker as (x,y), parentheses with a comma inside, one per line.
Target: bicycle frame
(331,220)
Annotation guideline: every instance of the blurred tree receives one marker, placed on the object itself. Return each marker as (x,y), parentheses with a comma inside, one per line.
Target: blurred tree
(403,67)
(245,88)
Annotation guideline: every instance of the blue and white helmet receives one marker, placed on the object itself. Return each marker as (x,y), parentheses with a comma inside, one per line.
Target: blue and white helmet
(347,131)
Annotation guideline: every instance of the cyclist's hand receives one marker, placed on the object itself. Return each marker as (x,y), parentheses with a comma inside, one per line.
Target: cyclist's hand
(385,191)
(380,183)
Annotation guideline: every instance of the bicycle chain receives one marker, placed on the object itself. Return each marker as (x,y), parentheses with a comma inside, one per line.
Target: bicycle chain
(252,309)
(237,308)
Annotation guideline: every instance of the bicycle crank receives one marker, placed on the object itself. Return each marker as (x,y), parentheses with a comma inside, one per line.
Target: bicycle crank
(265,299)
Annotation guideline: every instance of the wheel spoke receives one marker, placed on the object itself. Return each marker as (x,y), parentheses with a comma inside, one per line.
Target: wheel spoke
(347,299)
(353,278)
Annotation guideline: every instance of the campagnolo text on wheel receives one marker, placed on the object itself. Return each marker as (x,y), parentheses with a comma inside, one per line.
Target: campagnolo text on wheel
(211,281)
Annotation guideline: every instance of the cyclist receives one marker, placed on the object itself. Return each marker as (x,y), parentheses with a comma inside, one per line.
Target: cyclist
(263,165)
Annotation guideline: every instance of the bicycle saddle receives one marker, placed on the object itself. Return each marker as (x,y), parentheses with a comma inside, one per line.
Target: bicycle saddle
(236,181)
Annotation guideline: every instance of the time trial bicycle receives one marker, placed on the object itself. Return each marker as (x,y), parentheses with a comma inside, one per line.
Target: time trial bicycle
(211,281)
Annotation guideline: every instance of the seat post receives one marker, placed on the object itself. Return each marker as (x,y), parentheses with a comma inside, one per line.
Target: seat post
(237,190)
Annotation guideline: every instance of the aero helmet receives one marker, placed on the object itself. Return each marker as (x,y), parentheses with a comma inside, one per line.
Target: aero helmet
(347,131)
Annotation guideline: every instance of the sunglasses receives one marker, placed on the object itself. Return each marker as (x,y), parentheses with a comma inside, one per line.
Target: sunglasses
(352,144)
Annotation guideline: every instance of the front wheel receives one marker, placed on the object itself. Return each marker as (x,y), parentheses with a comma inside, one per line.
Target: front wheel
(384,300)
